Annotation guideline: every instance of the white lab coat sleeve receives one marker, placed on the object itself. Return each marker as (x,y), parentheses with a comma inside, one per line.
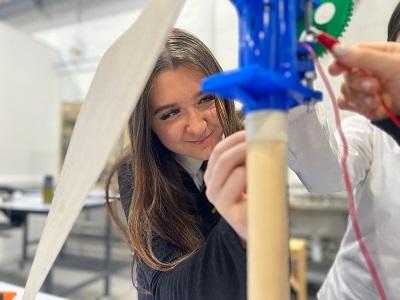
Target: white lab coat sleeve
(312,152)
(359,133)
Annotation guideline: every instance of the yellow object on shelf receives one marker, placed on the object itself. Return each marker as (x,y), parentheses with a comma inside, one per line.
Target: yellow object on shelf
(48,189)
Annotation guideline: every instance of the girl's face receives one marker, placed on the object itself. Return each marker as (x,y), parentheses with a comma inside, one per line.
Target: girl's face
(184,119)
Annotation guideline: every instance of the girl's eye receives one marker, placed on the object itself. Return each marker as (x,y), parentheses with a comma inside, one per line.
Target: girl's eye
(207,99)
(169,114)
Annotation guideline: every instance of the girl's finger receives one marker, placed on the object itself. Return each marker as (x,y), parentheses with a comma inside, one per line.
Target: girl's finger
(233,189)
(225,164)
(336,69)
(221,147)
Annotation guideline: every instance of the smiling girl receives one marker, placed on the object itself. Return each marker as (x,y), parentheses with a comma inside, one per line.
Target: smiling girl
(183,249)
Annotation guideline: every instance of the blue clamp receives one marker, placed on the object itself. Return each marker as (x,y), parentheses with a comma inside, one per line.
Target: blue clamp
(273,63)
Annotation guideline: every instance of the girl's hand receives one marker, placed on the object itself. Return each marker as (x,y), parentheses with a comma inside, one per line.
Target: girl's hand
(225,179)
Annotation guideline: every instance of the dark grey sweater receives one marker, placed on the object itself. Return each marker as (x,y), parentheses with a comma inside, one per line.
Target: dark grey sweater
(217,271)
(390,128)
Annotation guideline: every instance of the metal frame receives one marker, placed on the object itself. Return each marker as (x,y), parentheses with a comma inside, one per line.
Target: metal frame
(48,284)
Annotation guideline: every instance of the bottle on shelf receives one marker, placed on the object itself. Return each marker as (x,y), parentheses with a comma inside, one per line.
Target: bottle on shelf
(48,189)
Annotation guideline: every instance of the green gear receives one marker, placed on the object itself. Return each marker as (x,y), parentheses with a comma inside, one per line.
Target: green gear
(336,26)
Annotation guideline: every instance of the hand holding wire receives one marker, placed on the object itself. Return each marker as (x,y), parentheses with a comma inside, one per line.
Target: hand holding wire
(366,89)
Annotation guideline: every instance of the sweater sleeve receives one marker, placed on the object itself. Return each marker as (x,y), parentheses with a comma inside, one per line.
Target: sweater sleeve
(389,127)
(125,184)
(216,271)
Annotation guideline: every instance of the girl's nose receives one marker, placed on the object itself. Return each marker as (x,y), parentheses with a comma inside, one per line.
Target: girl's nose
(196,124)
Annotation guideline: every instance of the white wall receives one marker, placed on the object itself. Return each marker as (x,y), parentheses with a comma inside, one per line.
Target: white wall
(82,44)
(29,109)
(214,21)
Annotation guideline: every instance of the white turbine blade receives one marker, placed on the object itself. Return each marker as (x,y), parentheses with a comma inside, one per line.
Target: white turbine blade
(118,83)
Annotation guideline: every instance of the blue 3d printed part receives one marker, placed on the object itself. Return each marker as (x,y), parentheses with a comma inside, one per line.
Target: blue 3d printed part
(272,62)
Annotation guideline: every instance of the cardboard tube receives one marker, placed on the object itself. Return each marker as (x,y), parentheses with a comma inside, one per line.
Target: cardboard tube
(268,238)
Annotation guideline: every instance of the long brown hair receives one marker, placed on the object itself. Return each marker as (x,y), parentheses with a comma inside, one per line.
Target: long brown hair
(160,203)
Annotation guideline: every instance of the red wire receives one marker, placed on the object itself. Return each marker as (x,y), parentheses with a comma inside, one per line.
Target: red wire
(349,189)
(390,113)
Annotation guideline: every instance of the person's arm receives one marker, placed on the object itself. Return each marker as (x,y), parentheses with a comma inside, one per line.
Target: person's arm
(358,132)
(315,152)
